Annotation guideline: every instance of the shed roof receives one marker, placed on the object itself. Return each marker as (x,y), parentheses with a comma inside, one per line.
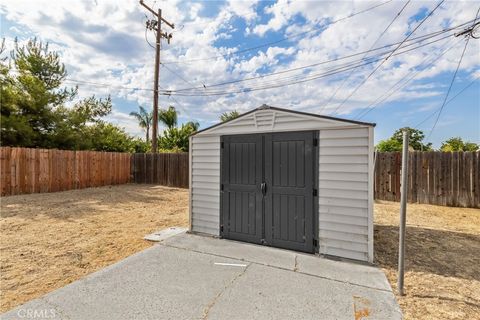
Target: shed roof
(267,107)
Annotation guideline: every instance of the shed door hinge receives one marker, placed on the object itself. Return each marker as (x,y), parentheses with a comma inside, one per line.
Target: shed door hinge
(221,187)
(221,228)
(315,142)
(315,192)
(315,242)
(222,144)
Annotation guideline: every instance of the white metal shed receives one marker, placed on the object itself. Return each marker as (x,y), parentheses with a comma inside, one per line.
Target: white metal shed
(287,179)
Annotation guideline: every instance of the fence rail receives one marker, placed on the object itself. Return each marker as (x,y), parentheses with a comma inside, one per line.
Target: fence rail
(440,178)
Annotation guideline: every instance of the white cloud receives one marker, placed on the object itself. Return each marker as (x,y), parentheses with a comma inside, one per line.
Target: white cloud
(104,42)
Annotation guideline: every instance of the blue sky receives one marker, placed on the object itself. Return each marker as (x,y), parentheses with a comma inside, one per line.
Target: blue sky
(103,43)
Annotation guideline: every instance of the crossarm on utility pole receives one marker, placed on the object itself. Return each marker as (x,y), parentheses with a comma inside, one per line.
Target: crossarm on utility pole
(171,25)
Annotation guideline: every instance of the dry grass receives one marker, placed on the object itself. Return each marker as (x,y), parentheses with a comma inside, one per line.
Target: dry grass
(49,240)
(442,279)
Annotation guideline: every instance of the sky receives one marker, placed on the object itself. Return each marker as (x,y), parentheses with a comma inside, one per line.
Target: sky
(300,55)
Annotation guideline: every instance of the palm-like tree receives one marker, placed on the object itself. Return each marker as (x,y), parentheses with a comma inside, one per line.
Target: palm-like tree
(168,117)
(227,116)
(193,124)
(144,119)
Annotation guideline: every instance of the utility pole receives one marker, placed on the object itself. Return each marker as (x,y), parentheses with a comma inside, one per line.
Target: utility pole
(403,214)
(156,25)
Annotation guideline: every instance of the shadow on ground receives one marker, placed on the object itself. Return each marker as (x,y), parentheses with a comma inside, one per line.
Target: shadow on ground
(429,250)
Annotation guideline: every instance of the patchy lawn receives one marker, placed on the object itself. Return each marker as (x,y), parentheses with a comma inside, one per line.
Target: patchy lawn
(49,240)
(442,279)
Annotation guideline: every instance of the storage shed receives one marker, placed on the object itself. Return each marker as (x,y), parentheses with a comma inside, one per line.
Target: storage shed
(286,179)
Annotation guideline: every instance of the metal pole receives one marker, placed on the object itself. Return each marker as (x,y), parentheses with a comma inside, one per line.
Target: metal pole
(403,214)
(155,85)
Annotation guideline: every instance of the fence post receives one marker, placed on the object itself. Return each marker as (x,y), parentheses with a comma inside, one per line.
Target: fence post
(403,213)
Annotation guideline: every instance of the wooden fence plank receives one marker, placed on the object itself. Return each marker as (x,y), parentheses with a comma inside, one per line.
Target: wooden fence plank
(451,179)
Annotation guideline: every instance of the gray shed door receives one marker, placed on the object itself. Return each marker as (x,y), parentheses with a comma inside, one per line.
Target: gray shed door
(267,192)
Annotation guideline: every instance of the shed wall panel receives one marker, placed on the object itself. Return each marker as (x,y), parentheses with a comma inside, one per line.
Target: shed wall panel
(205,188)
(343,193)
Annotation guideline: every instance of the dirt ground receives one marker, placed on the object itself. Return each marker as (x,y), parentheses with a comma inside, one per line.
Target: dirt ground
(442,279)
(49,240)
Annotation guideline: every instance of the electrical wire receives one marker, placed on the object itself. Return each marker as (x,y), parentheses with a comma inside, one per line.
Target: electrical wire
(263,76)
(449,88)
(338,69)
(392,89)
(296,78)
(371,47)
(176,74)
(454,76)
(385,60)
(173,92)
(280,40)
(446,104)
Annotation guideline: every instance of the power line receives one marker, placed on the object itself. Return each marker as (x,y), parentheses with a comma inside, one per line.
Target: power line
(468,35)
(381,63)
(336,70)
(420,39)
(373,44)
(449,88)
(280,40)
(276,83)
(446,104)
(176,74)
(390,92)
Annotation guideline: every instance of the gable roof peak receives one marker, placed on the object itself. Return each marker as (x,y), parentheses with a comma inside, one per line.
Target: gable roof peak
(264,106)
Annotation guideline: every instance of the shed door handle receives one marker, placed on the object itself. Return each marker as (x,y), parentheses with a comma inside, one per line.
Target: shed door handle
(263,187)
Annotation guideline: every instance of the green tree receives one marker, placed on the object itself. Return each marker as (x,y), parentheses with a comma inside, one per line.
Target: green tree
(415,138)
(389,145)
(195,125)
(33,106)
(457,144)
(29,117)
(168,117)
(105,136)
(394,143)
(227,116)
(73,132)
(176,139)
(144,119)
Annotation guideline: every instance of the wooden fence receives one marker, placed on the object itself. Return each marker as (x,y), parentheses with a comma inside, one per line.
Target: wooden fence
(168,169)
(440,178)
(25,170)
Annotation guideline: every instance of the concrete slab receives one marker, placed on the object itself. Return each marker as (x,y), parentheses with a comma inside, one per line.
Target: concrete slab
(270,293)
(158,283)
(194,277)
(234,249)
(344,271)
(164,234)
